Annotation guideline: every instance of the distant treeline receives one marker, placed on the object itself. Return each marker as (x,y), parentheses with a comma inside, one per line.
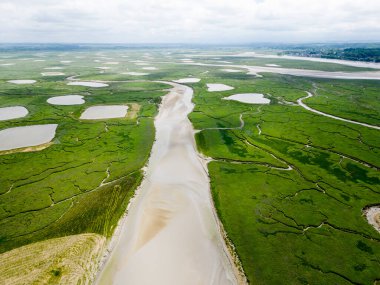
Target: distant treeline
(362,54)
(357,54)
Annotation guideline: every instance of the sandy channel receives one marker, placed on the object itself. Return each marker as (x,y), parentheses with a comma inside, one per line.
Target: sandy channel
(256,70)
(171,234)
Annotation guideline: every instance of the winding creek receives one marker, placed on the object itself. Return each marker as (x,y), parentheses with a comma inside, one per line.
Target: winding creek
(303,105)
(171,234)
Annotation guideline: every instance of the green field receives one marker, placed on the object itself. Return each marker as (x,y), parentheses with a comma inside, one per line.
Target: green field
(305,225)
(289,185)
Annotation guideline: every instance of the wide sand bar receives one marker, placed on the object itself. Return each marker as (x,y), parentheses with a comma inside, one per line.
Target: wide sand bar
(171,234)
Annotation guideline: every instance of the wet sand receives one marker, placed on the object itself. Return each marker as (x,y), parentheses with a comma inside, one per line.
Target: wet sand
(214,87)
(66,100)
(22,81)
(187,80)
(20,137)
(255,70)
(52,74)
(104,112)
(135,73)
(250,98)
(9,113)
(88,84)
(171,234)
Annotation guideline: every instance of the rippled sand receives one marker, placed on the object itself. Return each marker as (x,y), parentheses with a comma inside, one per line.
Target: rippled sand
(171,235)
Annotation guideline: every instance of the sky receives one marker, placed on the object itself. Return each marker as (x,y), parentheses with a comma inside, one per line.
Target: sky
(189,21)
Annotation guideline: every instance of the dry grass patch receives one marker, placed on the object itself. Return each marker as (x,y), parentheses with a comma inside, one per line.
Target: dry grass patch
(66,260)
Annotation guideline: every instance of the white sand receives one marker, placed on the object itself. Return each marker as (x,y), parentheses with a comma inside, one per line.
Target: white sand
(250,98)
(66,61)
(135,73)
(6,64)
(39,60)
(112,62)
(232,70)
(141,63)
(9,113)
(150,68)
(104,112)
(88,84)
(170,235)
(103,67)
(273,65)
(373,216)
(187,80)
(52,73)
(22,81)
(66,100)
(19,137)
(212,87)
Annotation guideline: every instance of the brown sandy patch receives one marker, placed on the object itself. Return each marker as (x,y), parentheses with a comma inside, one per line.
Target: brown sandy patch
(133,110)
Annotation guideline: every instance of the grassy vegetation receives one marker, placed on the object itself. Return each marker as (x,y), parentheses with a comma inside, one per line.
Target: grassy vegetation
(304,225)
(82,183)
(289,185)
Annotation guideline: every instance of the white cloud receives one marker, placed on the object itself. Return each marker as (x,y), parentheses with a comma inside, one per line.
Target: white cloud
(201,21)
